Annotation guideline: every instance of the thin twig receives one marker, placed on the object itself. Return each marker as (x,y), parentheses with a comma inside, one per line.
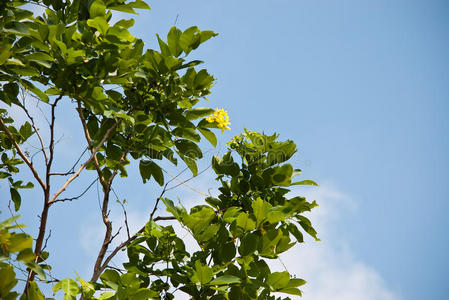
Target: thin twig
(46,240)
(124,212)
(35,128)
(62,174)
(164,218)
(117,233)
(72,169)
(187,180)
(76,197)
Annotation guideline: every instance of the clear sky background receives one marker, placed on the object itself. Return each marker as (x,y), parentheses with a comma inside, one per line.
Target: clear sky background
(363,88)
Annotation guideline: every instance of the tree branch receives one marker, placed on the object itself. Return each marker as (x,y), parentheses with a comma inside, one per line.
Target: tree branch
(44,215)
(107,236)
(89,143)
(22,155)
(81,168)
(76,197)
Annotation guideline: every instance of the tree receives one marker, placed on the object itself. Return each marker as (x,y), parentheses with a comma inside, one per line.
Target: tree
(139,106)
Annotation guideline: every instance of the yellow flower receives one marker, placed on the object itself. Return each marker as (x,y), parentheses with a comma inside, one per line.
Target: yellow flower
(221,117)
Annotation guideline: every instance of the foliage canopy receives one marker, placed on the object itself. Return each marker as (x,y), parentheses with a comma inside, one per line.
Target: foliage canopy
(138,105)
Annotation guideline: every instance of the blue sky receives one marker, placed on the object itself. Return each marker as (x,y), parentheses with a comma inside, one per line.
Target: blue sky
(363,88)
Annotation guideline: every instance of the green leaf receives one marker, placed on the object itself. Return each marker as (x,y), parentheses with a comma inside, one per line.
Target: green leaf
(26,255)
(202,273)
(97,9)
(248,244)
(156,171)
(25,130)
(139,4)
(209,135)
(149,168)
(278,280)
(231,214)
(207,34)
(291,291)
(171,208)
(188,148)
(165,50)
(7,224)
(225,280)
(245,222)
(99,23)
(69,287)
(307,226)
(199,220)
(130,280)
(208,233)
(260,209)
(36,268)
(19,242)
(34,293)
(276,214)
(7,279)
(198,112)
(17,28)
(111,278)
(24,70)
(97,94)
(282,175)
(173,41)
(15,197)
(123,8)
(5,52)
(305,182)
(190,39)
(125,23)
(39,56)
(295,282)
(296,233)
(106,295)
(187,133)
(41,95)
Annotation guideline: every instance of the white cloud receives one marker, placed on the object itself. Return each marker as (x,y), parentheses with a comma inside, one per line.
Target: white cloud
(329,266)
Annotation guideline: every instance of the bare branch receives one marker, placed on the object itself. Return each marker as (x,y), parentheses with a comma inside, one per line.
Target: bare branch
(76,197)
(114,252)
(107,236)
(52,139)
(22,155)
(157,201)
(81,168)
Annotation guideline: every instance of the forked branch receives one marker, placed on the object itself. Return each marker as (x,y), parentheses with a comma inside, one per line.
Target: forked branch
(81,168)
